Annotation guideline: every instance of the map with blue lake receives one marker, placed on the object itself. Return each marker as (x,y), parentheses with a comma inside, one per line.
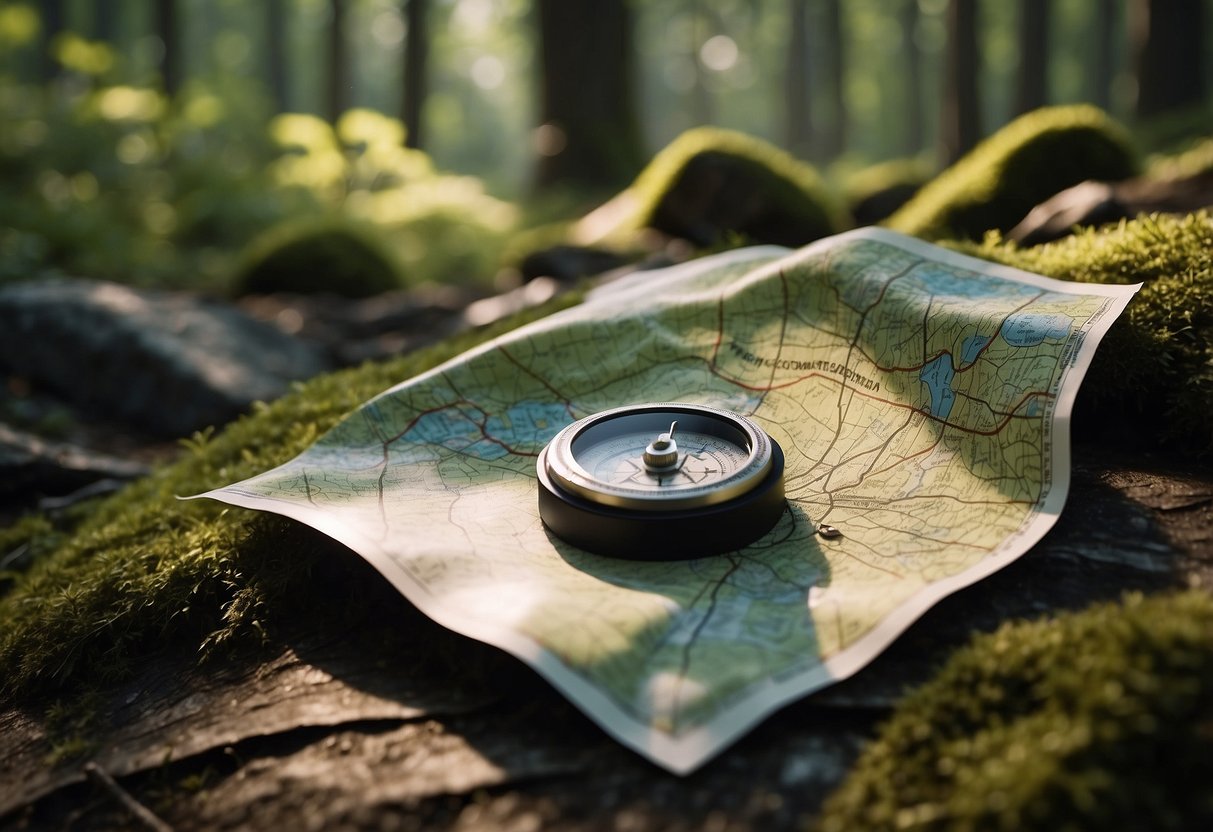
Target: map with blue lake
(921,400)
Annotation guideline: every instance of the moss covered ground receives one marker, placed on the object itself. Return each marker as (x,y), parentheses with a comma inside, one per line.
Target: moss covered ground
(1095,720)
(144,570)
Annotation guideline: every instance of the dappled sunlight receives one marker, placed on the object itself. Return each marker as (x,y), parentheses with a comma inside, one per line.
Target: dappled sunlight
(125,103)
(302,133)
(85,56)
(363,128)
(19,25)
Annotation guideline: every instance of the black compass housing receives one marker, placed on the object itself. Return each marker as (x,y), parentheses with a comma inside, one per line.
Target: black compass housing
(663,535)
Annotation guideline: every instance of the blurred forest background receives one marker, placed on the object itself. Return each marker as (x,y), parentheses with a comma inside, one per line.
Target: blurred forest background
(151,141)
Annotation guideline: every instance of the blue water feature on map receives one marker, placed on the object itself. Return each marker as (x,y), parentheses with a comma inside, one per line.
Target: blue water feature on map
(946,283)
(530,423)
(937,376)
(1027,329)
(972,348)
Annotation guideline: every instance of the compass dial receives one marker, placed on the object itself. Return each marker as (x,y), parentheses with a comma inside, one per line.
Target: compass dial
(706,458)
(659,481)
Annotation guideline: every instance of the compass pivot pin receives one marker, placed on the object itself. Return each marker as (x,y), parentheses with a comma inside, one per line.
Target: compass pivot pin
(662,453)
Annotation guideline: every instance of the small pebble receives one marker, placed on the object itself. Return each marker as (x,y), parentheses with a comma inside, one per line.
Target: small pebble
(828,532)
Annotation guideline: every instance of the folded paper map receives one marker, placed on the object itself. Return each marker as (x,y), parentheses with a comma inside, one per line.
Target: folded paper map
(921,399)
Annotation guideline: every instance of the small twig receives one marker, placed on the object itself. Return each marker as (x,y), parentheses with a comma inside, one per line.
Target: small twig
(140,812)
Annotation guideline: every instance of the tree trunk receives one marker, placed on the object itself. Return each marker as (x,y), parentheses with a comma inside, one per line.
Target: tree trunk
(834,131)
(915,131)
(275,53)
(590,138)
(338,89)
(960,120)
(1169,51)
(52,27)
(416,51)
(798,127)
(1106,16)
(105,20)
(1031,89)
(165,12)
(701,100)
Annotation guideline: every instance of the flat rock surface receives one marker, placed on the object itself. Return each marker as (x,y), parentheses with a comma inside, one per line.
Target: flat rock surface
(367,715)
(169,363)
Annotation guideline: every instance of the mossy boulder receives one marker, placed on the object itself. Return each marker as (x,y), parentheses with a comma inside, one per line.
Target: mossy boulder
(875,192)
(1152,379)
(1034,157)
(318,256)
(710,185)
(1095,720)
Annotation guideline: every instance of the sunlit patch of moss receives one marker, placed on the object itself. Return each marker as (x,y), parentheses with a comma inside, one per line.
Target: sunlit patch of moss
(1024,163)
(145,571)
(1095,720)
(1195,160)
(788,197)
(1153,376)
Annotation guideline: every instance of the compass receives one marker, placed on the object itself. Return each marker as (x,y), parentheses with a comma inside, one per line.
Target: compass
(661,482)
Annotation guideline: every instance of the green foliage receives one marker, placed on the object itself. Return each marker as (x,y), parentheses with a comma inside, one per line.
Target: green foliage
(313,256)
(442,228)
(145,570)
(795,201)
(121,183)
(1095,720)
(1024,163)
(118,182)
(1153,377)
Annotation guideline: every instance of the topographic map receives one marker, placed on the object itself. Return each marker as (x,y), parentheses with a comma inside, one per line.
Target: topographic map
(921,399)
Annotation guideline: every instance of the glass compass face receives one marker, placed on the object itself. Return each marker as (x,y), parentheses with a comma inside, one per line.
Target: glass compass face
(661,481)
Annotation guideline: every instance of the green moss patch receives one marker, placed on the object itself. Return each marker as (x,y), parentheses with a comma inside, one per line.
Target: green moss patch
(1152,380)
(334,256)
(1024,163)
(1095,720)
(145,571)
(1196,160)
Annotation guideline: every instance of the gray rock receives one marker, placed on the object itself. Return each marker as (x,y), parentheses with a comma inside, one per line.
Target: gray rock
(1096,203)
(31,466)
(168,363)
(568,263)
